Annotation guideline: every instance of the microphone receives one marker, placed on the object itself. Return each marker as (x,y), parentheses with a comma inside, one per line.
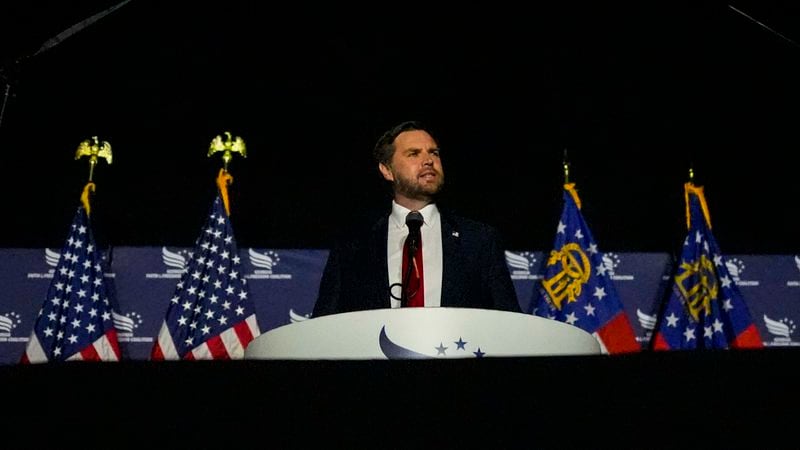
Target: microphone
(414,221)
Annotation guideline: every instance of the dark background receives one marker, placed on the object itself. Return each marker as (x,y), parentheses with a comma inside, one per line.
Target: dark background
(636,93)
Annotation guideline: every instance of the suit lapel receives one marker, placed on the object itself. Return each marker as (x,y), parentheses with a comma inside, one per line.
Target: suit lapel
(379,271)
(452,261)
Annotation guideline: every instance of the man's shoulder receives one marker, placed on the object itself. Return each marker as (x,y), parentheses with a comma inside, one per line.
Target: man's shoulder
(361,229)
(464,223)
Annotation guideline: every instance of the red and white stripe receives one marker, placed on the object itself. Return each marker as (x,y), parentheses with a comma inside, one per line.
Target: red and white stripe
(105,348)
(229,344)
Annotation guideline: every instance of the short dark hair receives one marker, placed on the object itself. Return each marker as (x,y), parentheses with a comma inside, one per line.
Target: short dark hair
(384,148)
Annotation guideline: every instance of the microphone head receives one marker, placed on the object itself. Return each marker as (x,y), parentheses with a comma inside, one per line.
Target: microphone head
(414,220)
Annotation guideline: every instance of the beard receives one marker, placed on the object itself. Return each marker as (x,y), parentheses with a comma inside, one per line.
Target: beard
(413,188)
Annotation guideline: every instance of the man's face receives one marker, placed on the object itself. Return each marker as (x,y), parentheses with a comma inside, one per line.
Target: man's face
(416,169)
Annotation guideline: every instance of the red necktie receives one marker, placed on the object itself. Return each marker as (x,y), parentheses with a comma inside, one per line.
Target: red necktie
(415,282)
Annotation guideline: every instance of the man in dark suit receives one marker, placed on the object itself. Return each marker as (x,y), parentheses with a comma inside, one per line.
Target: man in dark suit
(456,262)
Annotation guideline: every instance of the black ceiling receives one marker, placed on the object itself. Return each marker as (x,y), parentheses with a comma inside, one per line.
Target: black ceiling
(635,93)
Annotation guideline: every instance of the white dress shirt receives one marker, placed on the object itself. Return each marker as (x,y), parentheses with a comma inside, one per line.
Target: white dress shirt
(431,232)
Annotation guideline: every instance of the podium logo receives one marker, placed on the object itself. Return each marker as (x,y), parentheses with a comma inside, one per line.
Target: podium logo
(295,317)
(520,265)
(447,349)
(611,261)
(175,262)
(265,263)
(9,322)
(52,257)
(795,283)
(736,267)
(782,331)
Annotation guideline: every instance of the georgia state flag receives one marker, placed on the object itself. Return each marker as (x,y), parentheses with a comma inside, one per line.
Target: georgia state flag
(705,309)
(577,288)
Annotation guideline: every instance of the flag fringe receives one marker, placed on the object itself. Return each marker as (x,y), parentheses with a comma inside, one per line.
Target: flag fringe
(223,180)
(690,188)
(570,187)
(85,197)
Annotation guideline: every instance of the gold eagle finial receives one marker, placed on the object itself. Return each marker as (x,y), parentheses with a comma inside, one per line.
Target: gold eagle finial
(94,148)
(229,145)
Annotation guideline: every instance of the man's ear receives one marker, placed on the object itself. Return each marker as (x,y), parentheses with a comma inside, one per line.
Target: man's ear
(386,172)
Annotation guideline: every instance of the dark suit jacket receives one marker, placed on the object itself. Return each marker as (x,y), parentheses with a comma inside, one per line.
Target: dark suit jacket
(475,274)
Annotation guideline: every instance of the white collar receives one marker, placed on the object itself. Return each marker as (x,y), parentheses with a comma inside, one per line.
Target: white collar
(429,212)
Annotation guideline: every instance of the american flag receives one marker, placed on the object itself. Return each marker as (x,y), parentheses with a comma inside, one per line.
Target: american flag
(76,320)
(211,314)
(705,308)
(577,288)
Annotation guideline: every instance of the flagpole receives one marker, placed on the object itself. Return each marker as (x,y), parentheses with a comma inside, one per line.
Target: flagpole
(212,283)
(576,278)
(80,260)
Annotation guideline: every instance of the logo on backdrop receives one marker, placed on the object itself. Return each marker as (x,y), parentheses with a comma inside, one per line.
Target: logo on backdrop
(795,283)
(520,265)
(611,261)
(175,263)
(9,322)
(648,324)
(453,349)
(51,258)
(126,325)
(781,331)
(736,268)
(265,264)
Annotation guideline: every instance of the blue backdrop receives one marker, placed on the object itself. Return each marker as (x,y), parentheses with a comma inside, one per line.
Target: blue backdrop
(284,284)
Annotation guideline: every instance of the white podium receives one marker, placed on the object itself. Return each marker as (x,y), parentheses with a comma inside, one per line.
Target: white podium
(422,333)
